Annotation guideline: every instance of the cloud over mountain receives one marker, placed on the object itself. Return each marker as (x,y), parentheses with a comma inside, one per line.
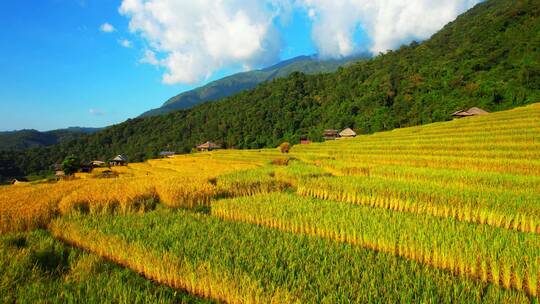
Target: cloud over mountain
(194,39)
(388,23)
(197,38)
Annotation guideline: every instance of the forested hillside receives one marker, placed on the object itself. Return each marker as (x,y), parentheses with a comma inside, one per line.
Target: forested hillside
(237,83)
(489,57)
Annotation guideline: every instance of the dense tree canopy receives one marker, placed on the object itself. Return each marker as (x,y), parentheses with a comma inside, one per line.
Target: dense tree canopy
(489,57)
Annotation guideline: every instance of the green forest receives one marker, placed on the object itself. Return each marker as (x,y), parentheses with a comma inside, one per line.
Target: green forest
(489,57)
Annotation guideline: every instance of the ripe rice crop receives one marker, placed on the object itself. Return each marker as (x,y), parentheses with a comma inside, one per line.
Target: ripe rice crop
(111,196)
(519,211)
(31,206)
(483,180)
(249,182)
(507,258)
(298,171)
(184,192)
(241,263)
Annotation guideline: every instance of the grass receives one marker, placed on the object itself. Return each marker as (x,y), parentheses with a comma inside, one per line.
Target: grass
(34,267)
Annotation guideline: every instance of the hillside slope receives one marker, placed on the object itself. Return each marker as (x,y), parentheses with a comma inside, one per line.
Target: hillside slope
(248,80)
(452,208)
(489,57)
(25,139)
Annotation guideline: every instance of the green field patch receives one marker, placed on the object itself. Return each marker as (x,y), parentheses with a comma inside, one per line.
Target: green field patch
(495,255)
(237,262)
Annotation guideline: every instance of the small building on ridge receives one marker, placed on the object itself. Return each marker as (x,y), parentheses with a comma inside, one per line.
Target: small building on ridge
(119,160)
(330,134)
(474,111)
(347,133)
(208,146)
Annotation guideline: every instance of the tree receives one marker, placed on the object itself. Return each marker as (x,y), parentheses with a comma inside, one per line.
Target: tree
(71,165)
(285,147)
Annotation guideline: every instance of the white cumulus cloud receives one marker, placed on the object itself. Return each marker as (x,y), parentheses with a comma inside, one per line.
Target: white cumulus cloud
(197,38)
(150,58)
(388,23)
(192,40)
(125,43)
(107,28)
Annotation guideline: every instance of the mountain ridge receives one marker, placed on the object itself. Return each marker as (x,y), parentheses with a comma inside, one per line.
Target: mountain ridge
(31,138)
(242,81)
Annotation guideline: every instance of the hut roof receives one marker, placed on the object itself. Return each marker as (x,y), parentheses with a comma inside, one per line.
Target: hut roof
(97,162)
(120,158)
(208,145)
(167,153)
(347,133)
(477,111)
(470,112)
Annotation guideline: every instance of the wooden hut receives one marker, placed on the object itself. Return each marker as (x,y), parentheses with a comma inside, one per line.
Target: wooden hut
(208,146)
(330,134)
(119,160)
(347,133)
(474,111)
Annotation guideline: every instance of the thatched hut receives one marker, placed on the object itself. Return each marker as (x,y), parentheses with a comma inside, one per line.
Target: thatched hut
(474,111)
(347,133)
(208,146)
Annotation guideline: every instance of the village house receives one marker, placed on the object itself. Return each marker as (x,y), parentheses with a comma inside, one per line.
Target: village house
(330,134)
(347,133)
(474,111)
(58,171)
(119,160)
(208,146)
(305,141)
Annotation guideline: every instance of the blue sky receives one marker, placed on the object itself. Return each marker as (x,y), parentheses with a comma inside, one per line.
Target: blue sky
(58,69)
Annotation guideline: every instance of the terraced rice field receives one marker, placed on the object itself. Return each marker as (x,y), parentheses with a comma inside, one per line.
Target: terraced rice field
(442,213)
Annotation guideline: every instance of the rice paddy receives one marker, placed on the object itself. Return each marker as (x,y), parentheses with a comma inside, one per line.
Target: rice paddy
(441,213)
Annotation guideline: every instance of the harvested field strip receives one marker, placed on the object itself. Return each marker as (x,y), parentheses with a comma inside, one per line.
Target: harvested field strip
(241,263)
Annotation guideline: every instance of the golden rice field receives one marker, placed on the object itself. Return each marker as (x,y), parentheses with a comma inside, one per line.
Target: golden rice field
(442,213)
